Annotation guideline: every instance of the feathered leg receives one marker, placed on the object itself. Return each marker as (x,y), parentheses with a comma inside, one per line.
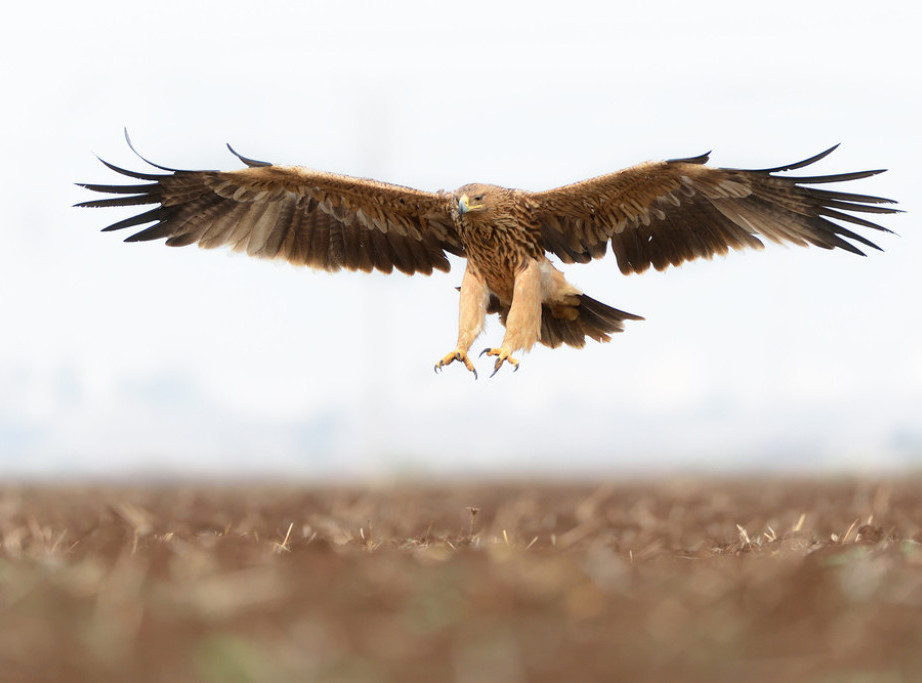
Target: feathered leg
(523,324)
(472,311)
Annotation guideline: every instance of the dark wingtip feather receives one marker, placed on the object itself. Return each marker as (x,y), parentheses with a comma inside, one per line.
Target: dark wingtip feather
(119,189)
(700,159)
(130,174)
(837,177)
(133,200)
(800,164)
(823,195)
(156,214)
(857,220)
(154,232)
(252,163)
(148,161)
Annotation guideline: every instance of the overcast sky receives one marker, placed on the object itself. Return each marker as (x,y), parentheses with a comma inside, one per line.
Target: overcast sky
(118,358)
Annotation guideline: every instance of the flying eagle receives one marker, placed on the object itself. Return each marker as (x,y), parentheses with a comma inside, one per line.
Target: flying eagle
(656,214)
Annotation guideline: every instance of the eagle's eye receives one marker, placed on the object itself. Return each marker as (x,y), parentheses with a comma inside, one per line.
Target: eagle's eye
(478,198)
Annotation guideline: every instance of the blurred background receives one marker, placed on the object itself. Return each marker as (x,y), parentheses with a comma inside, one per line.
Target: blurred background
(122,360)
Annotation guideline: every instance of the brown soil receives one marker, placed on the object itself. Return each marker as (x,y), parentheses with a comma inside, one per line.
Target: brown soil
(686,580)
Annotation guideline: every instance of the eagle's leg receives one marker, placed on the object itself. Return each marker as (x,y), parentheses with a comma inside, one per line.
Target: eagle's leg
(472,311)
(523,324)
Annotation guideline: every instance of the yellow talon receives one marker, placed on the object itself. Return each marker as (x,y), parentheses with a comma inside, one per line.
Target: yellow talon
(457,354)
(503,355)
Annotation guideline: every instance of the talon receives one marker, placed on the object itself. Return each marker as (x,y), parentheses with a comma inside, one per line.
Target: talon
(450,358)
(503,355)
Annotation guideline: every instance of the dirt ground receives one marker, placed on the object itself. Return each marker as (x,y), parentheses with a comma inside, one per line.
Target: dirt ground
(694,580)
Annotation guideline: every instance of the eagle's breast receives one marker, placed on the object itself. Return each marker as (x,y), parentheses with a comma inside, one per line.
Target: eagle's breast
(500,243)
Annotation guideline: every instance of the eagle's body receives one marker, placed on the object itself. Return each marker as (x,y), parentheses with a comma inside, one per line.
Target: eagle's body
(501,237)
(657,213)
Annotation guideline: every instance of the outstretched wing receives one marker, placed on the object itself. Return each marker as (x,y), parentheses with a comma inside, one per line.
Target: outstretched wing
(665,213)
(307,217)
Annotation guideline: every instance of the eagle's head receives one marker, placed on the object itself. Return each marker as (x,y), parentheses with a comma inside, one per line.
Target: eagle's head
(478,201)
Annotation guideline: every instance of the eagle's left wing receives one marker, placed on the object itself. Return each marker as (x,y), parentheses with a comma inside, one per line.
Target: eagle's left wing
(306,217)
(665,213)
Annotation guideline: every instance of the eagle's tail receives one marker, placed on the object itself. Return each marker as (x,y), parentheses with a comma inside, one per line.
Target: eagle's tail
(572,324)
(594,320)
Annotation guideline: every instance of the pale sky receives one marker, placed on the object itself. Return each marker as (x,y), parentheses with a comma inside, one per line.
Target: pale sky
(123,358)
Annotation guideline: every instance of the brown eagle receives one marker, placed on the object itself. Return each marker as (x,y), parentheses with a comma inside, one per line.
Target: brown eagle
(656,214)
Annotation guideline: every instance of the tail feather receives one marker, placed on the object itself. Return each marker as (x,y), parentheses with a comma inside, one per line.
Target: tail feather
(593,319)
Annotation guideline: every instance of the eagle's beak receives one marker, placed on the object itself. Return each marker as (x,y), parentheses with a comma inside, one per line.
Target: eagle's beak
(464,204)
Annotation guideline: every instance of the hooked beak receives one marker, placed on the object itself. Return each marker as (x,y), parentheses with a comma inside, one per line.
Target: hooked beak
(464,205)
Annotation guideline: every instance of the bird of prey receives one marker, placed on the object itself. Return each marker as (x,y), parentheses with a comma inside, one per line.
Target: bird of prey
(656,214)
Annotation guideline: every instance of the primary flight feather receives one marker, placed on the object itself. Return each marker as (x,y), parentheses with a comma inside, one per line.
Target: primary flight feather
(652,214)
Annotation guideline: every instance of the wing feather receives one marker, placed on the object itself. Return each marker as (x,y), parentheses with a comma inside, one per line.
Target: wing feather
(296,247)
(236,238)
(215,234)
(665,213)
(307,217)
(403,255)
(319,247)
(385,258)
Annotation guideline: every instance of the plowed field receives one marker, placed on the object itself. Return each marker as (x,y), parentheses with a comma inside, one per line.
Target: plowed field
(693,580)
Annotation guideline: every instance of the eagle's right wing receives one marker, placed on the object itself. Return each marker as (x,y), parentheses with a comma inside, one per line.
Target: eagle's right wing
(306,217)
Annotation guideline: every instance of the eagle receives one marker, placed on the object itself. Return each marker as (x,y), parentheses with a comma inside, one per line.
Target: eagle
(659,214)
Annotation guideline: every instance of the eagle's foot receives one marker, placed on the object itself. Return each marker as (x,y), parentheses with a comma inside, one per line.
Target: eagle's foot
(457,354)
(503,355)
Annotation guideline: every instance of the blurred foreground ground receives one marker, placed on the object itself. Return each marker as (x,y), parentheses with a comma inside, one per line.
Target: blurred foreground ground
(755,580)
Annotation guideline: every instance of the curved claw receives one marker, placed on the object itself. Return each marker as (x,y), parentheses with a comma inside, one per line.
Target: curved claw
(450,358)
(503,355)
